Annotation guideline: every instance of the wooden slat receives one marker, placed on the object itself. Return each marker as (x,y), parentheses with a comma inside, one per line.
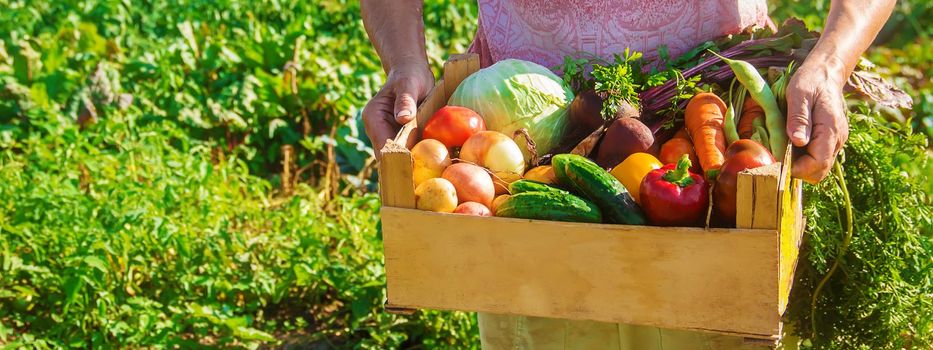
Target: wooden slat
(457,68)
(720,280)
(766,197)
(435,100)
(395,176)
(791,230)
(757,199)
(744,200)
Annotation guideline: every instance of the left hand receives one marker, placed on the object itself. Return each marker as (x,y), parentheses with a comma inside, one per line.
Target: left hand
(816,116)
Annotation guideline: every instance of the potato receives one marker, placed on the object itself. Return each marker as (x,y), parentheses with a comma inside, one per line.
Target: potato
(472,182)
(623,138)
(472,208)
(436,194)
(502,180)
(431,157)
(498,201)
(494,151)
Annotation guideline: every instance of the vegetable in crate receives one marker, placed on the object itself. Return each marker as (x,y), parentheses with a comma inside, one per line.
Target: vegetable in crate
(472,182)
(430,158)
(551,205)
(453,125)
(532,186)
(676,147)
(585,113)
(542,173)
(497,202)
(597,185)
(624,137)
(494,151)
(673,196)
(472,208)
(703,119)
(436,194)
(633,169)
(750,112)
(741,155)
(759,90)
(498,153)
(515,94)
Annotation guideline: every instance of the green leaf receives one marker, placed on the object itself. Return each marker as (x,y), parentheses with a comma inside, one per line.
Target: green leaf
(72,287)
(247,333)
(96,263)
(187,32)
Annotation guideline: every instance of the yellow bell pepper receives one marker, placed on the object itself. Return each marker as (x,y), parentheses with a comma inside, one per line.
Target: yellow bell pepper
(633,169)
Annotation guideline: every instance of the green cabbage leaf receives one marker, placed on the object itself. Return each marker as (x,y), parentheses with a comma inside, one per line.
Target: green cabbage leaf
(515,94)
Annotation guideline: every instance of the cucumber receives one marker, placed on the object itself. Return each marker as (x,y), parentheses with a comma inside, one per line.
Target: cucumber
(596,184)
(521,186)
(549,206)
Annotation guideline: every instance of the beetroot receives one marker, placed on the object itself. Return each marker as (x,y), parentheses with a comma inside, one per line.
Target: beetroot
(585,114)
(624,137)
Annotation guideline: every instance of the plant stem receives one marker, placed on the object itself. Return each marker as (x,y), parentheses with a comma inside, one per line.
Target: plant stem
(839,175)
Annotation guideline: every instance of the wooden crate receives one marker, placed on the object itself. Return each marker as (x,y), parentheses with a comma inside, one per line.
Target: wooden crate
(728,281)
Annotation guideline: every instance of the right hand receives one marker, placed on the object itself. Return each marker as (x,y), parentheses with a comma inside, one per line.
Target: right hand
(396,103)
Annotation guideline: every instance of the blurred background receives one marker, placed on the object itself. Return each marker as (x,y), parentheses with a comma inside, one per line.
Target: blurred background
(194,173)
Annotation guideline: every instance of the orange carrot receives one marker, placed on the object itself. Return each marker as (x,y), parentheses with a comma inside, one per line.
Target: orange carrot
(750,111)
(703,119)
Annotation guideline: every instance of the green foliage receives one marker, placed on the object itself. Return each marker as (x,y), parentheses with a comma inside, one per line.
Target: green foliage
(110,236)
(880,297)
(256,74)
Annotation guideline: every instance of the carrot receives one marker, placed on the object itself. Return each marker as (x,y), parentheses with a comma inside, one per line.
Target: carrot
(703,119)
(750,111)
(676,147)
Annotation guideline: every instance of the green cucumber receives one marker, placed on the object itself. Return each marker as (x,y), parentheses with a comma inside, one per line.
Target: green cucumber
(549,206)
(521,186)
(596,184)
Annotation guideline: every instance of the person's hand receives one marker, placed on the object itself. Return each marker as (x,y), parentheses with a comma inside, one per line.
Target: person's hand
(395,104)
(816,116)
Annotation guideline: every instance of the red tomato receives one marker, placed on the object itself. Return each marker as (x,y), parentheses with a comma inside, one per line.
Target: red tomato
(742,154)
(453,125)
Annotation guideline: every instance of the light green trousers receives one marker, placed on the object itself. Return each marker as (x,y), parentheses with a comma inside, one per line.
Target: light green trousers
(498,332)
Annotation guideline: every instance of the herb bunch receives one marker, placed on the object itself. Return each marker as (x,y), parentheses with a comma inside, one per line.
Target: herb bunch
(622,81)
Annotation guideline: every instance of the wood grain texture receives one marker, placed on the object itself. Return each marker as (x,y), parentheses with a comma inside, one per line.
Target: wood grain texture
(435,100)
(766,198)
(744,200)
(457,68)
(791,228)
(396,187)
(757,197)
(686,278)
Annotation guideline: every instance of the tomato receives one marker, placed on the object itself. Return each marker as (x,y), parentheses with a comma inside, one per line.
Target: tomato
(742,154)
(453,125)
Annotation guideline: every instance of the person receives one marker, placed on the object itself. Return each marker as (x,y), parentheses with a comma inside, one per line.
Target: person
(544,31)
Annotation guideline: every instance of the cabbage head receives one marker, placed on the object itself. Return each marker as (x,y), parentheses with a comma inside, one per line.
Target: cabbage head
(514,94)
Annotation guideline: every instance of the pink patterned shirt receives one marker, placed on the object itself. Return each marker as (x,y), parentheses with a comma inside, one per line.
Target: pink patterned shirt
(544,31)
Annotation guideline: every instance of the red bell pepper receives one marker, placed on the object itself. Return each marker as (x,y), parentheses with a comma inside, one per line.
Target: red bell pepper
(674,196)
